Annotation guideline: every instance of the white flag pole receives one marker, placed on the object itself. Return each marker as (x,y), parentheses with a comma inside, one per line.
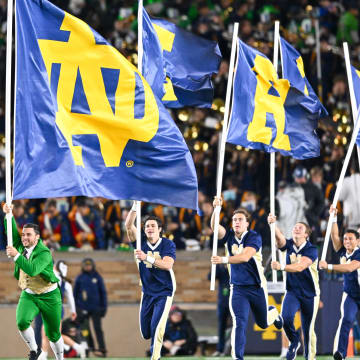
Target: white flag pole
(140,57)
(272,160)
(222,151)
(351,90)
(9,38)
(318,58)
(339,184)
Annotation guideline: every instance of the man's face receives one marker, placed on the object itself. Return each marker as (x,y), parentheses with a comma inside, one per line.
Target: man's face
(52,211)
(299,231)
(239,223)
(28,237)
(152,230)
(350,242)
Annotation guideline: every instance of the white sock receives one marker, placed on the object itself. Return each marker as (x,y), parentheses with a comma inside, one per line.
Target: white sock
(43,355)
(28,336)
(77,347)
(58,348)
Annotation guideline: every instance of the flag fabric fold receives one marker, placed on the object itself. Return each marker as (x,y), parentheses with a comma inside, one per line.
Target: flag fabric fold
(356,83)
(87,123)
(269,113)
(293,70)
(178,65)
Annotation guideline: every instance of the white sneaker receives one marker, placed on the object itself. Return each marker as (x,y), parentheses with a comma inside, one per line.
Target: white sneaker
(217,354)
(283,353)
(80,350)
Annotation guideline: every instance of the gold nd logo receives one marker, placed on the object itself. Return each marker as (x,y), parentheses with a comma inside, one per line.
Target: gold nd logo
(344,261)
(129,163)
(236,249)
(155,254)
(295,259)
(114,119)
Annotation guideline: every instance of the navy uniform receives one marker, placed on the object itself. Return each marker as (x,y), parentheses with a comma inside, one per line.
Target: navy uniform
(350,303)
(158,288)
(302,293)
(248,289)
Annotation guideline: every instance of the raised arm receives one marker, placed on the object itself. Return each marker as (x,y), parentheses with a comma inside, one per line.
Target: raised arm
(221,233)
(341,268)
(279,236)
(335,238)
(129,223)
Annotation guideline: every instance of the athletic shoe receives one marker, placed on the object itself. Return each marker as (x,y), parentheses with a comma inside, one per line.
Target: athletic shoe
(33,355)
(338,356)
(293,349)
(283,353)
(279,322)
(217,354)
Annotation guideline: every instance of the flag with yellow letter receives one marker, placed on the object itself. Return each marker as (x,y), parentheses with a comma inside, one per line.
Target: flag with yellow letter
(268,113)
(87,123)
(356,83)
(178,65)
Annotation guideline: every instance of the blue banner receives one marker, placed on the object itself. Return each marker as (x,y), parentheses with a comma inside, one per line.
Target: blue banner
(268,113)
(293,70)
(87,123)
(356,83)
(186,60)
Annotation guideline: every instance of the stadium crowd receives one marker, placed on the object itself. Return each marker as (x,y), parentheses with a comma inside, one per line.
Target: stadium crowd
(306,187)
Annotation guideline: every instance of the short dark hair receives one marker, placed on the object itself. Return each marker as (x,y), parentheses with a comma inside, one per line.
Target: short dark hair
(50,203)
(308,230)
(32,226)
(352,231)
(244,212)
(153,217)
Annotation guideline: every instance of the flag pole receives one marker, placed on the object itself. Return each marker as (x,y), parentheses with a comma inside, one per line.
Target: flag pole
(272,160)
(340,183)
(318,58)
(140,57)
(220,169)
(351,90)
(9,38)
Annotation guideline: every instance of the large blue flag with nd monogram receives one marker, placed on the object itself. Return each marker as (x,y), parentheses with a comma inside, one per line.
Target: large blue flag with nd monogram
(178,65)
(269,113)
(356,83)
(87,123)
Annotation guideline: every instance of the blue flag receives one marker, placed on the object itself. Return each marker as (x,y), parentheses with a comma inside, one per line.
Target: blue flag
(293,70)
(268,113)
(87,123)
(356,83)
(178,65)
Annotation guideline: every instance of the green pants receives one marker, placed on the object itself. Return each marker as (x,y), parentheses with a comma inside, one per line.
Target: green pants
(49,305)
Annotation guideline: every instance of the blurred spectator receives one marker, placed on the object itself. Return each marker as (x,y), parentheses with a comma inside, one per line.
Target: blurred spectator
(314,196)
(91,303)
(292,203)
(350,196)
(54,226)
(86,226)
(180,336)
(348,27)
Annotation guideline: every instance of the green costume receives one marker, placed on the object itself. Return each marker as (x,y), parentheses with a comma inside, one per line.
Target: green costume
(37,275)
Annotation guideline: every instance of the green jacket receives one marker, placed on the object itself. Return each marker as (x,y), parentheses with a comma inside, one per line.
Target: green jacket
(40,262)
